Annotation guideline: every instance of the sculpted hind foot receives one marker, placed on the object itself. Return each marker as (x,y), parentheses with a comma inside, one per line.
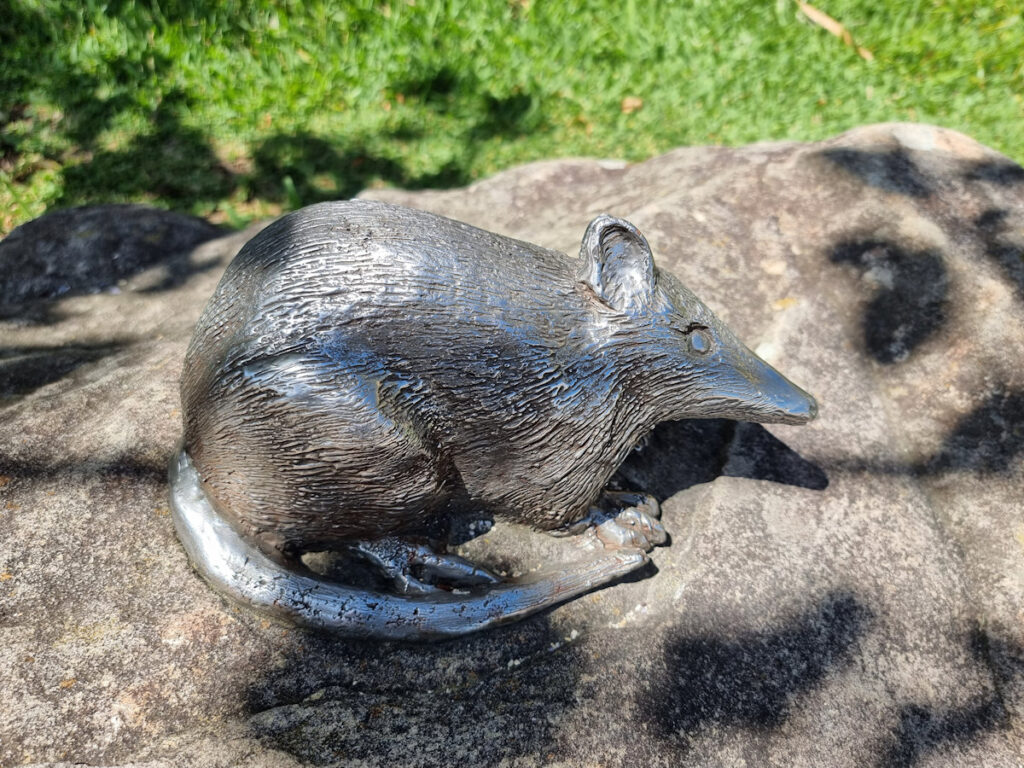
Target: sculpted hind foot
(417,569)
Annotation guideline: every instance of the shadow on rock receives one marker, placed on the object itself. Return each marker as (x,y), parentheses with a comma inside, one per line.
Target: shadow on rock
(25,369)
(144,467)
(89,249)
(922,730)
(392,704)
(758,455)
(988,439)
(910,295)
(1005,173)
(680,454)
(750,680)
(996,232)
(891,170)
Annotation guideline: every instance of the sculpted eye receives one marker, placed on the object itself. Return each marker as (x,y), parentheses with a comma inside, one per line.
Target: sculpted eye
(700,339)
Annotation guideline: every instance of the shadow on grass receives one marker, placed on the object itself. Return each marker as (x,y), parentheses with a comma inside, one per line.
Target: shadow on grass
(170,159)
(302,169)
(176,162)
(447,90)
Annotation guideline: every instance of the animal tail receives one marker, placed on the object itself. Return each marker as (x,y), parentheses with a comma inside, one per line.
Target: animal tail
(246,575)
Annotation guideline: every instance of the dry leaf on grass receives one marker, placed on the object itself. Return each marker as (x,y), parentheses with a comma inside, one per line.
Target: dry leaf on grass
(631,104)
(832,26)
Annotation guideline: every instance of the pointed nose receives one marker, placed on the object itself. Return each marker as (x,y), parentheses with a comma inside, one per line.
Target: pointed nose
(780,400)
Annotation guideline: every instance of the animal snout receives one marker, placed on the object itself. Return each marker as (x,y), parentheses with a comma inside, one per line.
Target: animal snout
(782,401)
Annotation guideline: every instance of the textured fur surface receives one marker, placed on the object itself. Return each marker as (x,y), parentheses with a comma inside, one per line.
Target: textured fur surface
(364,368)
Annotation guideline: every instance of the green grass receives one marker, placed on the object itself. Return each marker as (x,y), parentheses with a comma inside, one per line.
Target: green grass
(239,109)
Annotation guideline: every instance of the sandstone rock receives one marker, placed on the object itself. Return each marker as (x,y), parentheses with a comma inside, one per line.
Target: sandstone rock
(843,594)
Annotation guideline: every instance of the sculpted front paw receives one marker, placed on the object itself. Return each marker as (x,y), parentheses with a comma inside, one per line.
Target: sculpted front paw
(622,521)
(616,502)
(631,529)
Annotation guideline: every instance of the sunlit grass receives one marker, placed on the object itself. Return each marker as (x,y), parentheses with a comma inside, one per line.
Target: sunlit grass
(238,109)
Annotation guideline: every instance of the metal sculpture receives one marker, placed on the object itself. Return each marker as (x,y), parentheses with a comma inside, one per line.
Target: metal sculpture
(365,373)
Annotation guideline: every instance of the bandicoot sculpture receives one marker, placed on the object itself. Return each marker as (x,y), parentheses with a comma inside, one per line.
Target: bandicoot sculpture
(366,372)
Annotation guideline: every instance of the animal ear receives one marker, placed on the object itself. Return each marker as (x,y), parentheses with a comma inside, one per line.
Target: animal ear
(617,263)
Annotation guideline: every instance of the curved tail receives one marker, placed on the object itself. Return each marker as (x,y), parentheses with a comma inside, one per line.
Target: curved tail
(246,575)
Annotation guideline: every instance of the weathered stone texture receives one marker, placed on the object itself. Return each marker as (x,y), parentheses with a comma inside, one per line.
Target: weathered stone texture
(844,594)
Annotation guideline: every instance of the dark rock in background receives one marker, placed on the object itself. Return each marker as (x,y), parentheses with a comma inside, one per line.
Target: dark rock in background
(844,594)
(97,248)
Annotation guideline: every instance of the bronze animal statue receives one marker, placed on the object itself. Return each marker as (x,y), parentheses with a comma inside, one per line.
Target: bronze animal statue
(366,372)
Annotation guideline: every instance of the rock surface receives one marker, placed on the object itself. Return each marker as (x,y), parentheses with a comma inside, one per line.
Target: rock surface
(844,594)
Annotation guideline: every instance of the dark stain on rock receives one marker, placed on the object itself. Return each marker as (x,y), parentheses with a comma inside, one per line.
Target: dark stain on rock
(751,679)
(910,296)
